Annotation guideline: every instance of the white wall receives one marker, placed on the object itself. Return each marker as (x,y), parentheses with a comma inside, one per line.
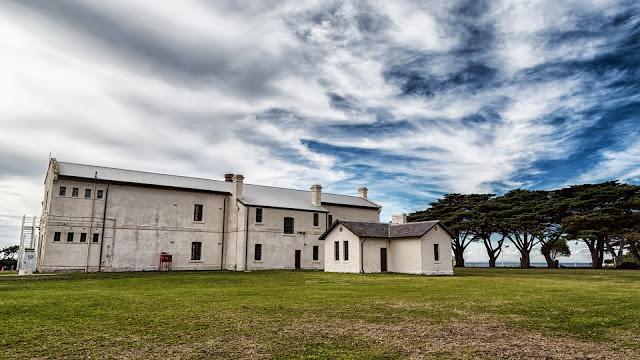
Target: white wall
(353,264)
(444,266)
(371,255)
(406,255)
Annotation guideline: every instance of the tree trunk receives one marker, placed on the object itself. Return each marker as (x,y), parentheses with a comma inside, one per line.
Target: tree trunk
(525,260)
(547,257)
(492,261)
(459,256)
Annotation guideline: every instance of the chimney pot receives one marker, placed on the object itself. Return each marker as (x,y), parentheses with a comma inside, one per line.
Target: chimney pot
(316,194)
(363,192)
(399,218)
(228,177)
(239,181)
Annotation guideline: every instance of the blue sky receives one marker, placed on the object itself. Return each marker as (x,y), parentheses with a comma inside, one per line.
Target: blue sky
(411,99)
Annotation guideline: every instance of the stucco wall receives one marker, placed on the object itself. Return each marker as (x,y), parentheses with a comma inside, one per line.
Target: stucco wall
(371,254)
(278,248)
(405,255)
(353,264)
(352,213)
(444,266)
(141,223)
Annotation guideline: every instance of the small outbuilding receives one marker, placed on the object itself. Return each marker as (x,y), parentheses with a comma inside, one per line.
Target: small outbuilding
(366,247)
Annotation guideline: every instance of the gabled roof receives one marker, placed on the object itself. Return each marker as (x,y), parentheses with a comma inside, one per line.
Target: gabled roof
(386,230)
(253,195)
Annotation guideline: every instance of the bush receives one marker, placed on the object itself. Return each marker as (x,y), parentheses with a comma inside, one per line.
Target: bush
(628,265)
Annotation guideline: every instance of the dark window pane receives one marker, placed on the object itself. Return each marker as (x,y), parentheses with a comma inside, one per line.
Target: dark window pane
(196,250)
(257,253)
(316,219)
(99,194)
(258,215)
(70,237)
(63,190)
(336,250)
(346,250)
(197,212)
(288,225)
(436,252)
(83,237)
(74,192)
(315,253)
(87,193)
(330,221)
(96,237)
(56,236)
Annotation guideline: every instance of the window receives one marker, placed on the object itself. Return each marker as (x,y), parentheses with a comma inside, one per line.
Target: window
(96,237)
(63,191)
(197,212)
(87,193)
(259,215)
(316,219)
(74,192)
(196,250)
(330,221)
(99,194)
(436,252)
(56,236)
(257,252)
(315,252)
(83,237)
(288,225)
(70,237)
(345,252)
(336,250)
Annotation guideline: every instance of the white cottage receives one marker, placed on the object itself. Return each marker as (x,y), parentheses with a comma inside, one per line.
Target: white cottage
(372,247)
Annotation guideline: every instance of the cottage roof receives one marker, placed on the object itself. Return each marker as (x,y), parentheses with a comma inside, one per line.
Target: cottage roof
(253,195)
(386,230)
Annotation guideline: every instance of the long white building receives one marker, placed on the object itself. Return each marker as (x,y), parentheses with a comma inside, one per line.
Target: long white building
(105,219)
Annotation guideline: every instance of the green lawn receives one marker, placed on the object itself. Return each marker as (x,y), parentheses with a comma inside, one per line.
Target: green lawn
(507,313)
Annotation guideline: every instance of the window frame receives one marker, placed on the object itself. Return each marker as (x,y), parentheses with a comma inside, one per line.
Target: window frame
(316,219)
(70,236)
(316,252)
(87,193)
(57,235)
(257,252)
(83,237)
(286,226)
(345,250)
(99,194)
(75,191)
(259,216)
(198,212)
(329,220)
(62,191)
(196,245)
(436,252)
(336,250)
(95,238)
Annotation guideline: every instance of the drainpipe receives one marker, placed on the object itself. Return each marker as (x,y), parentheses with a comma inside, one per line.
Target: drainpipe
(246,235)
(224,216)
(104,218)
(362,256)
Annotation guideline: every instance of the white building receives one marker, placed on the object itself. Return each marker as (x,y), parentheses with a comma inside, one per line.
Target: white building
(372,247)
(104,219)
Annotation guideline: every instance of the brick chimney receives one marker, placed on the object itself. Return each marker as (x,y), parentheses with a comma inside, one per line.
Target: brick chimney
(399,218)
(228,177)
(239,181)
(316,194)
(363,192)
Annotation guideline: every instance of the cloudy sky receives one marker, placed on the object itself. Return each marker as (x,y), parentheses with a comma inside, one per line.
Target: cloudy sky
(411,99)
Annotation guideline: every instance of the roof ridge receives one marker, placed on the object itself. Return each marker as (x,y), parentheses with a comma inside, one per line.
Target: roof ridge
(202,178)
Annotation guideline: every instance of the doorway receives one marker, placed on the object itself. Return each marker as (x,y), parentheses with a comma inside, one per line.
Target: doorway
(297,260)
(383,259)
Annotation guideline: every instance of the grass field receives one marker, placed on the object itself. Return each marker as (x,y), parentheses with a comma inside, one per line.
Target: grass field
(479,313)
